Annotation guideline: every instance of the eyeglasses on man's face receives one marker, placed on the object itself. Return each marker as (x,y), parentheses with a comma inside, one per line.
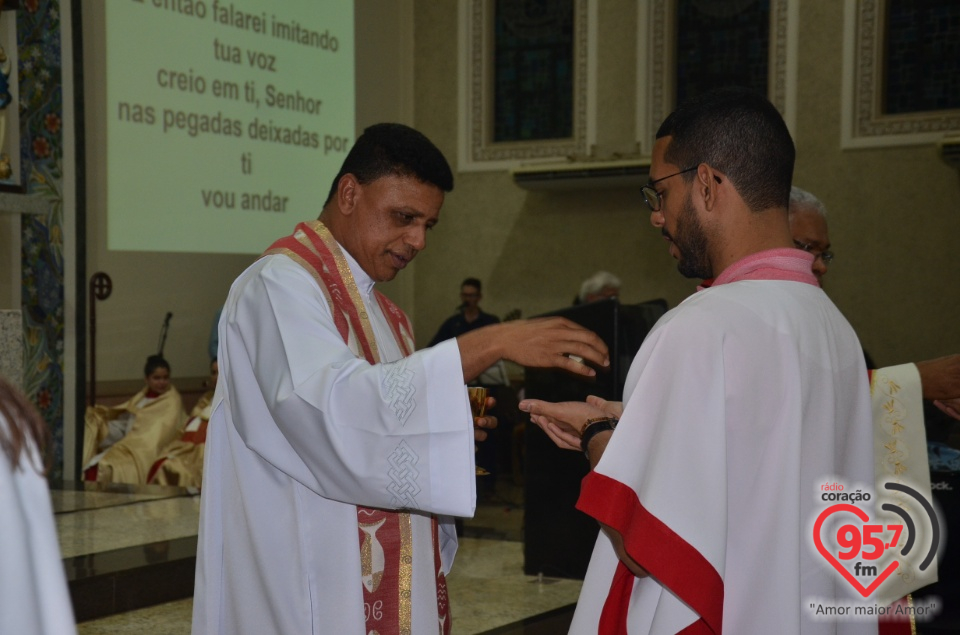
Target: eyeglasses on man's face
(826,256)
(652,197)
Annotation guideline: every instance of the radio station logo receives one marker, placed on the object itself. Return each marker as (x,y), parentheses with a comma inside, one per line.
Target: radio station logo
(865,552)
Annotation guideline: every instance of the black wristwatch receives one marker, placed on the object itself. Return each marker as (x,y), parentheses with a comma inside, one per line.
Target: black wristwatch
(593,427)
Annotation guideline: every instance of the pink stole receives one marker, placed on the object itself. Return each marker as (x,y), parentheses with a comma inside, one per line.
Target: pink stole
(386,549)
(773,264)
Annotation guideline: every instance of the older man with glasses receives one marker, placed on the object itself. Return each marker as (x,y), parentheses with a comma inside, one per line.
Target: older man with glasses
(808,225)
(938,378)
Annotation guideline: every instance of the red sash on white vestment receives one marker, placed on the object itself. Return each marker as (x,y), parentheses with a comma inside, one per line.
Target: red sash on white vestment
(385,541)
(673,561)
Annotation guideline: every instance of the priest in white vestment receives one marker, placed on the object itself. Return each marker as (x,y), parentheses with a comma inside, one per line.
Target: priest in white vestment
(335,453)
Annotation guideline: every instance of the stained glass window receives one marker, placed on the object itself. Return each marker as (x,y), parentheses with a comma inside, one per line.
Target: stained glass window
(722,43)
(533,70)
(922,50)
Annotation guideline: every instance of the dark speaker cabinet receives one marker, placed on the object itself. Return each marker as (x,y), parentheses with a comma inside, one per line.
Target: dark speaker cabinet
(558,539)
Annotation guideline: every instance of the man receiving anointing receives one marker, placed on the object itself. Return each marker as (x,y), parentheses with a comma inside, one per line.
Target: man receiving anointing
(740,403)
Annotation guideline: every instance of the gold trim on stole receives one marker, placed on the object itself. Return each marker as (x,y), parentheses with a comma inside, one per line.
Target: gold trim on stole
(406,529)
(351,285)
(913,618)
(406,573)
(884,391)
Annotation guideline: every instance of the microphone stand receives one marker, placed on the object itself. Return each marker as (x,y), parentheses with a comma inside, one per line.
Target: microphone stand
(163,333)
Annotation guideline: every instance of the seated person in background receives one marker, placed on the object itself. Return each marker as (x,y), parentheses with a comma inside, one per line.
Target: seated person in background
(469,315)
(181,462)
(121,443)
(599,286)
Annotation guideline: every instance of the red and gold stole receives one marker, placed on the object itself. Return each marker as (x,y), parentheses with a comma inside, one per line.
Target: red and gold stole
(385,539)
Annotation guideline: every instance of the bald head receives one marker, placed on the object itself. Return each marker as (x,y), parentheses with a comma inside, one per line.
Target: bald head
(808,226)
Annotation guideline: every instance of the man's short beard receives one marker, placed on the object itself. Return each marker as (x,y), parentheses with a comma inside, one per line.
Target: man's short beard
(691,241)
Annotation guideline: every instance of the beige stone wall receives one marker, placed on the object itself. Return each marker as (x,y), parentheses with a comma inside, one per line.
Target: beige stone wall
(894,213)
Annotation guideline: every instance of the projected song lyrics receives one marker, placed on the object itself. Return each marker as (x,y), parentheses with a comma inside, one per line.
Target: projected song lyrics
(249,101)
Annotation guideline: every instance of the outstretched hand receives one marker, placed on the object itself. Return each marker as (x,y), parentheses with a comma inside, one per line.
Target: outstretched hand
(940,378)
(563,422)
(540,343)
(555,342)
(610,408)
(949,406)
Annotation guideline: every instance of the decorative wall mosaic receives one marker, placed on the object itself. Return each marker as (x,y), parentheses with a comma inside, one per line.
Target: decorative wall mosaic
(42,265)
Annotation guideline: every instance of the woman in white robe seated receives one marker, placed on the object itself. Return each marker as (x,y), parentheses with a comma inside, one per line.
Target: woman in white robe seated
(181,462)
(122,442)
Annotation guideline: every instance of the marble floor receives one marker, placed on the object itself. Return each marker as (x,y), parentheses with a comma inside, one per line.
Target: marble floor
(124,537)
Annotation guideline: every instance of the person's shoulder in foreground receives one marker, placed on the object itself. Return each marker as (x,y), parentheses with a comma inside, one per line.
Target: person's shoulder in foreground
(33,588)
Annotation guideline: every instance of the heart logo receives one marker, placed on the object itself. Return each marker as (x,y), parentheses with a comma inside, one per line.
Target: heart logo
(862,515)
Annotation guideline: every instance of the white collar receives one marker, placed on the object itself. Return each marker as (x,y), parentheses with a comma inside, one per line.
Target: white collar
(364,282)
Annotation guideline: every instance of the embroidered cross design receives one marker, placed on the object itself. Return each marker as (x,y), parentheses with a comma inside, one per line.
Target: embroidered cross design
(403,476)
(399,390)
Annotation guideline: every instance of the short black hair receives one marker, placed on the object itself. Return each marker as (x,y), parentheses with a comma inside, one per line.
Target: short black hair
(153,363)
(471,282)
(740,133)
(394,149)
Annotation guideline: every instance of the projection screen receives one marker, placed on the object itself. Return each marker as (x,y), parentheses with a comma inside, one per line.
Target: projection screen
(225,122)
